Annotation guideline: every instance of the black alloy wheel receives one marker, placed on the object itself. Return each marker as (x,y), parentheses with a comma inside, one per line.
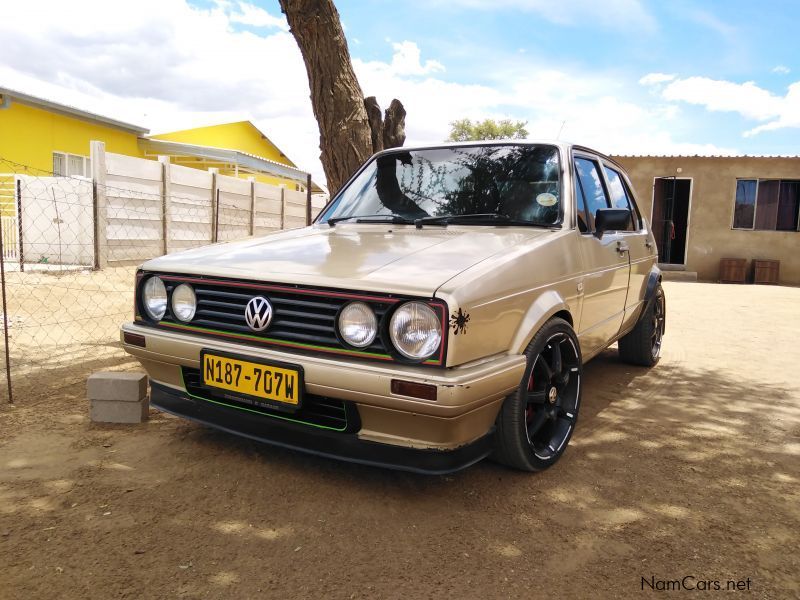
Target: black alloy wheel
(536,422)
(658,325)
(642,345)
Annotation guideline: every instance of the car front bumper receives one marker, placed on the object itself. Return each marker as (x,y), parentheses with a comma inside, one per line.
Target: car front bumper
(348,447)
(467,401)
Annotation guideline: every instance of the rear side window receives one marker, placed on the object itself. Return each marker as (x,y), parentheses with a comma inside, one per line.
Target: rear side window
(619,195)
(587,173)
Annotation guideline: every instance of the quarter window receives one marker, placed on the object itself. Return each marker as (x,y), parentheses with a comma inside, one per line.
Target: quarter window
(619,195)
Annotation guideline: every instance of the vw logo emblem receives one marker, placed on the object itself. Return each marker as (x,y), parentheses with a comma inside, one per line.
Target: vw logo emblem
(258,313)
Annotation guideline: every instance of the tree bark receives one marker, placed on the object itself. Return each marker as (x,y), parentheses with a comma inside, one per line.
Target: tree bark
(375,122)
(350,126)
(394,125)
(336,97)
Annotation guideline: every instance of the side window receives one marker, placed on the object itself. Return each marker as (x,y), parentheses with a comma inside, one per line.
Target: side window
(587,173)
(580,206)
(619,196)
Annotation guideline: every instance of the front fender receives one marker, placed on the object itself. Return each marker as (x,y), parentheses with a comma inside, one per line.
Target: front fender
(545,306)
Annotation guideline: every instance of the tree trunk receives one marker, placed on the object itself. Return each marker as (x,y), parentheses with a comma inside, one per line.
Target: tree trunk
(394,125)
(350,127)
(336,97)
(375,122)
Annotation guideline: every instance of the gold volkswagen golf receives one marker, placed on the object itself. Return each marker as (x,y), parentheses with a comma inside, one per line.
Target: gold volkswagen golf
(438,311)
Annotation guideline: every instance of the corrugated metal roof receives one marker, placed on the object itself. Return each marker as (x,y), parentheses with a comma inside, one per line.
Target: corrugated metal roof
(704,155)
(228,155)
(70,111)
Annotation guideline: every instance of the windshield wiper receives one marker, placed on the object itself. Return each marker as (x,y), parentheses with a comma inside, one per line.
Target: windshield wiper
(478,219)
(392,218)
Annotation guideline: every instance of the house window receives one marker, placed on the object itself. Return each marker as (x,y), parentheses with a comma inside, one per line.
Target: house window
(71,165)
(767,205)
(788,206)
(745,204)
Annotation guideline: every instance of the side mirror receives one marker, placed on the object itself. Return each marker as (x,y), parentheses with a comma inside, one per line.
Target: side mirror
(611,219)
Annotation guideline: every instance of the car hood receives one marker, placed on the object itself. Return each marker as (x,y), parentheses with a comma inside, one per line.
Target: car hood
(369,257)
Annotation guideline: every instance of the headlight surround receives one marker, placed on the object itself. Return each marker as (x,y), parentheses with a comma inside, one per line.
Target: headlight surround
(154,298)
(184,302)
(415,330)
(358,324)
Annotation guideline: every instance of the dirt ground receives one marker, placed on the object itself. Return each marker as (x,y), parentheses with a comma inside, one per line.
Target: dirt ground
(690,469)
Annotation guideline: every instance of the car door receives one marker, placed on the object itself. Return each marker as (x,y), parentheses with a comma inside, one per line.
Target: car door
(605,260)
(640,245)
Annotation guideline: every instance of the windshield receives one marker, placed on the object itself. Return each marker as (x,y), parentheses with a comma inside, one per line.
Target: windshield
(517,181)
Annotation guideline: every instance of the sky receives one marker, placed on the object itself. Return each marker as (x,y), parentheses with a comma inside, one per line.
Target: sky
(622,76)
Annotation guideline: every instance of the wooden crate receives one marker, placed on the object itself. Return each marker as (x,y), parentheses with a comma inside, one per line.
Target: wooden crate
(766,271)
(733,270)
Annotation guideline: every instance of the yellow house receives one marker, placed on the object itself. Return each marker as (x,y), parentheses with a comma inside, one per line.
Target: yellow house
(45,137)
(42,137)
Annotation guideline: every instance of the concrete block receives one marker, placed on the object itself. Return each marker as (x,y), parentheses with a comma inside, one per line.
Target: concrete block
(114,411)
(112,385)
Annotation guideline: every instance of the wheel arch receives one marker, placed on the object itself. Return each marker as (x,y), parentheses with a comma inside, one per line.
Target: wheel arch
(653,281)
(548,305)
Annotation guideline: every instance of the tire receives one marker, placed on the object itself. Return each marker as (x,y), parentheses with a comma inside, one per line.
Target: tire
(536,422)
(642,345)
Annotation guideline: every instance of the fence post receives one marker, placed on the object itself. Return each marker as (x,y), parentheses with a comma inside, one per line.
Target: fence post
(283,206)
(214,203)
(308,200)
(252,205)
(97,154)
(5,317)
(166,194)
(19,225)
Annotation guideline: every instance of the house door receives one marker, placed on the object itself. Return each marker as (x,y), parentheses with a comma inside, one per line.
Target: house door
(670,219)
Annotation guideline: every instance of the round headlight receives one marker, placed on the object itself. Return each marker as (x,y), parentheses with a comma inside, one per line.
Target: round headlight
(184,302)
(415,330)
(358,324)
(154,298)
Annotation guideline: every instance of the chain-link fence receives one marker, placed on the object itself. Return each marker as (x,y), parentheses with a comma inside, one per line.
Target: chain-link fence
(71,245)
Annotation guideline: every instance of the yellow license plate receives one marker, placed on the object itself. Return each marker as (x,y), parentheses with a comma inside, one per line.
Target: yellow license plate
(277,383)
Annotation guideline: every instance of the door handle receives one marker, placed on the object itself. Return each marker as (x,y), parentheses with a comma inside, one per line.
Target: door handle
(648,244)
(622,247)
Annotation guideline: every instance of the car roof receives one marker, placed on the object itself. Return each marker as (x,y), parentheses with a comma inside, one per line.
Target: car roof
(565,147)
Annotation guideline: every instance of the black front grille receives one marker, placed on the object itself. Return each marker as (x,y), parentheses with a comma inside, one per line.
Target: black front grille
(299,317)
(304,319)
(319,411)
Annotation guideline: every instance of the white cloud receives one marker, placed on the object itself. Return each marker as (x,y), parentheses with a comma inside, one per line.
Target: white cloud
(255,16)
(747,99)
(656,78)
(611,14)
(168,65)
(406,60)
(592,107)
(789,115)
(781,69)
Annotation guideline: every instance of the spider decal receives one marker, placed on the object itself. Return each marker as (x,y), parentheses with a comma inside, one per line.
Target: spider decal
(458,321)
